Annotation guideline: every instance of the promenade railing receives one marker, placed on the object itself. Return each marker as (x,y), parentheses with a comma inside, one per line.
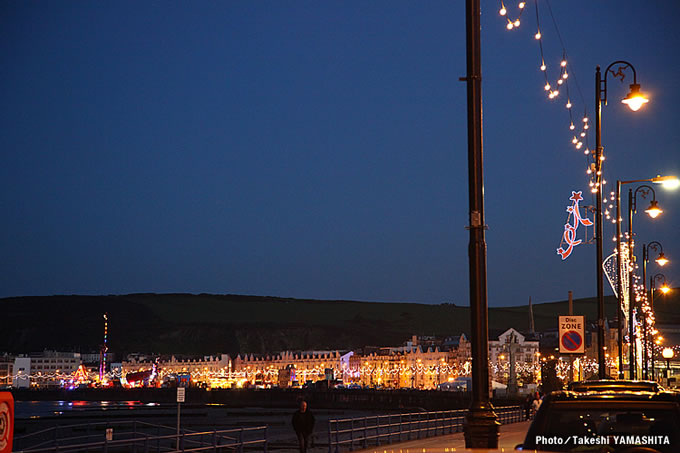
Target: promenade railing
(363,432)
(136,436)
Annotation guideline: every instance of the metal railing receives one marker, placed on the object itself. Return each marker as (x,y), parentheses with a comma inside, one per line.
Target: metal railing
(141,439)
(363,432)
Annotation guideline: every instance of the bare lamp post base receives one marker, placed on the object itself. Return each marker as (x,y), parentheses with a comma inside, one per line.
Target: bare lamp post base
(481,427)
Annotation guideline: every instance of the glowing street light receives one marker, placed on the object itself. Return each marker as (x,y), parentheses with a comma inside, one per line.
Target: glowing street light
(653,210)
(634,100)
(661,260)
(664,290)
(667,182)
(668,354)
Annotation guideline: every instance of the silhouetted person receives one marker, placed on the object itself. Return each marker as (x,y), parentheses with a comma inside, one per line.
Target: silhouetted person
(535,404)
(527,406)
(303,424)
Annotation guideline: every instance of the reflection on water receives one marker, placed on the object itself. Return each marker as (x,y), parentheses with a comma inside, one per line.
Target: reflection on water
(33,416)
(40,409)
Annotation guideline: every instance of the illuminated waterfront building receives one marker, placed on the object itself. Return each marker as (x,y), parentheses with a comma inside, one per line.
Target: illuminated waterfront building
(44,370)
(513,356)
(298,367)
(210,371)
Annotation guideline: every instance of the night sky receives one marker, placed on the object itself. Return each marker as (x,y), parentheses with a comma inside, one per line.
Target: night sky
(315,149)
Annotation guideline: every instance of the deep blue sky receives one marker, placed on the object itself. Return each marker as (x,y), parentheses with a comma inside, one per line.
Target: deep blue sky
(312,149)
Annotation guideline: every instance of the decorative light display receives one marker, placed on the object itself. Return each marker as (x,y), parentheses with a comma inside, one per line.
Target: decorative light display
(512,23)
(405,373)
(586,365)
(610,266)
(393,374)
(104,349)
(579,139)
(569,236)
(554,85)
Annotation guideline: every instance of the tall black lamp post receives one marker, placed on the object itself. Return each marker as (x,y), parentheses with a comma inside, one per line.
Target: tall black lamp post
(668,181)
(668,354)
(661,260)
(653,210)
(634,100)
(664,289)
(481,428)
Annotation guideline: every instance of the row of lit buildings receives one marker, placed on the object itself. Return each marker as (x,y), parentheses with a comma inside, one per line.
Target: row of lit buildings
(420,363)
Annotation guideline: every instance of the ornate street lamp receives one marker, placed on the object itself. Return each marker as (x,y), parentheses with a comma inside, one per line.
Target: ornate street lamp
(653,212)
(668,354)
(664,290)
(634,100)
(667,182)
(661,260)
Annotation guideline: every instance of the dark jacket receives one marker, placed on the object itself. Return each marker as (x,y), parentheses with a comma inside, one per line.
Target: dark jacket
(303,422)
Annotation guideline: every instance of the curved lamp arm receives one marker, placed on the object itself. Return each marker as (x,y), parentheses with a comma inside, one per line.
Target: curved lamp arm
(619,73)
(645,191)
(655,277)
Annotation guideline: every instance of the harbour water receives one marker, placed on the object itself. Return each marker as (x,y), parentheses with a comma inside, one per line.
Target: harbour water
(34,416)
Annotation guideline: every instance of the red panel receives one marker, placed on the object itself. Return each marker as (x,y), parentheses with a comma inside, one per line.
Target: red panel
(6,422)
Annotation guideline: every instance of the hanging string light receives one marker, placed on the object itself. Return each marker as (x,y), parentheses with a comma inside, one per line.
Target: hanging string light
(512,23)
(553,87)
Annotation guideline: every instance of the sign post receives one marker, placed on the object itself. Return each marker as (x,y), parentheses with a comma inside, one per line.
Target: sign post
(571,330)
(181,392)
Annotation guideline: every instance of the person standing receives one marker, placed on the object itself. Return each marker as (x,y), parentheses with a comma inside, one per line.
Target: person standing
(535,405)
(528,403)
(303,424)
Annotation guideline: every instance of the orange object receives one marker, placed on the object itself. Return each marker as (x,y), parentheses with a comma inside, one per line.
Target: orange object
(6,422)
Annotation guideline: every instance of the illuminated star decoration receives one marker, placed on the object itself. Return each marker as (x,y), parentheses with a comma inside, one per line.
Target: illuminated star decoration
(569,236)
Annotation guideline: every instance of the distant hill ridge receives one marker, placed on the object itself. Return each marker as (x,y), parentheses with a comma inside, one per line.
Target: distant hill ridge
(208,324)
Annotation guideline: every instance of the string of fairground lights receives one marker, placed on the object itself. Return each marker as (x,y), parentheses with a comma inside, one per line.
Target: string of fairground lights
(582,135)
(649,328)
(580,138)
(588,365)
(645,325)
(563,80)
